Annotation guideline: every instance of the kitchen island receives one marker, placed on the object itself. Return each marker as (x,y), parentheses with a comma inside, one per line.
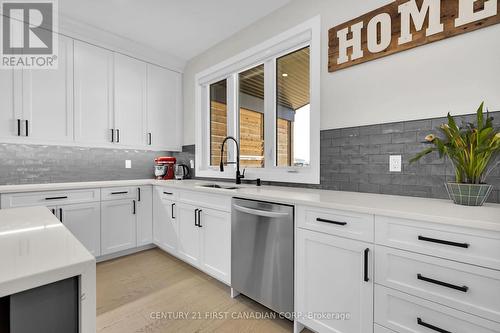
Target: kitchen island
(37,250)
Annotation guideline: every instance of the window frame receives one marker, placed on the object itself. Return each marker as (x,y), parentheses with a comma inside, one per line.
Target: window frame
(303,35)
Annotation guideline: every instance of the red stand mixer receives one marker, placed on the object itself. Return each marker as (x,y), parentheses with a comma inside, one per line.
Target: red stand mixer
(165,167)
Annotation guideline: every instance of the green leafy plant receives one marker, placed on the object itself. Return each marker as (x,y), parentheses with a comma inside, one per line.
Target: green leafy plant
(472,148)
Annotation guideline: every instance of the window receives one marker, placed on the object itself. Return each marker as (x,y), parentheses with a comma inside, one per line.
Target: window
(293,109)
(218,119)
(251,117)
(268,99)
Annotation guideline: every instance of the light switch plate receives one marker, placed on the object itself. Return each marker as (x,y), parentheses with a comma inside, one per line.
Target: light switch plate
(395,163)
(128,164)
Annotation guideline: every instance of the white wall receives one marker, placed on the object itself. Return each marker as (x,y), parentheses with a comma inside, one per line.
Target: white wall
(453,75)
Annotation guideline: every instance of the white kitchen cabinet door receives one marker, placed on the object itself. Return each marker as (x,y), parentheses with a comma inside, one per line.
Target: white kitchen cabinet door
(165,226)
(130,101)
(164,114)
(93,82)
(189,234)
(84,221)
(48,99)
(331,274)
(11,122)
(216,243)
(118,226)
(144,215)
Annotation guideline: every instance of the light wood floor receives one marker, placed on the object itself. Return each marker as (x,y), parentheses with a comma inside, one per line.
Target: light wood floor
(136,294)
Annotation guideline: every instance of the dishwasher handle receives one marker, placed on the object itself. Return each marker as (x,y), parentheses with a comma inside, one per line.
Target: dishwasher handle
(259,212)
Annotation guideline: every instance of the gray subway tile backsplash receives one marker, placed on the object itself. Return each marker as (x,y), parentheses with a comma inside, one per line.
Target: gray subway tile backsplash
(352,159)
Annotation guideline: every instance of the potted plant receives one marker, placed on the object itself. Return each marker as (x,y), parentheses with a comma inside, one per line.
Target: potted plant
(473,150)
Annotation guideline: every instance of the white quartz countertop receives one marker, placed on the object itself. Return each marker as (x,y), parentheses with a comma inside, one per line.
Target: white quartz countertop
(432,210)
(37,249)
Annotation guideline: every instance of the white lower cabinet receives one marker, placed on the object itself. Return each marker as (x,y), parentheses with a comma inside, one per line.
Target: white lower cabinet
(197,235)
(144,215)
(118,226)
(188,234)
(334,283)
(165,225)
(216,243)
(84,222)
(405,313)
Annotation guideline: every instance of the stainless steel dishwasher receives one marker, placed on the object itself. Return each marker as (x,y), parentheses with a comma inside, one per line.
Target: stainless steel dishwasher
(262,252)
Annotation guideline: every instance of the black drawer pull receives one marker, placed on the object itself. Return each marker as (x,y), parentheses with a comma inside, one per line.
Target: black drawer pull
(444,284)
(56,198)
(117,135)
(150,139)
(60,214)
(431,327)
(168,193)
(122,192)
(138,194)
(319,219)
(444,242)
(19,127)
(112,135)
(27,128)
(196,217)
(133,207)
(366,278)
(172,207)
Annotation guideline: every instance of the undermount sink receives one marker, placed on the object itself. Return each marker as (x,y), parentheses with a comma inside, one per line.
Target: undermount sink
(220,186)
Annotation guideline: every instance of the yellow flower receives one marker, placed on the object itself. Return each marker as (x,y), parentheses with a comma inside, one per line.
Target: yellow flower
(430,138)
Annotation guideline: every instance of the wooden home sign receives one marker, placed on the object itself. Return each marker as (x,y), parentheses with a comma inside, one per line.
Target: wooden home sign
(403,25)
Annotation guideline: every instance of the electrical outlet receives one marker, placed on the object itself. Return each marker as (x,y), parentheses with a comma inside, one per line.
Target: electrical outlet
(128,164)
(191,163)
(395,163)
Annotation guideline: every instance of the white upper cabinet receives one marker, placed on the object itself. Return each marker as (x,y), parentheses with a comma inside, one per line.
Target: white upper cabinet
(93,94)
(47,96)
(164,114)
(10,118)
(95,98)
(130,101)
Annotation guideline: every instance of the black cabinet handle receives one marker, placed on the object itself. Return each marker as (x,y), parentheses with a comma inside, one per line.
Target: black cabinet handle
(168,193)
(56,198)
(112,135)
(138,194)
(319,219)
(117,135)
(27,128)
(366,278)
(122,192)
(53,210)
(150,139)
(172,208)
(444,242)
(19,127)
(60,214)
(196,217)
(133,207)
(199,218)
(431,327)
(444,284)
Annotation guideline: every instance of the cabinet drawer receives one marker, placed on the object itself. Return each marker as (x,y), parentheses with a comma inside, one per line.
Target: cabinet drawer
(51,198)
(461,244)
(167,193)
(336,222)
(117,193)
(461,286)
(404,313)
(208,200)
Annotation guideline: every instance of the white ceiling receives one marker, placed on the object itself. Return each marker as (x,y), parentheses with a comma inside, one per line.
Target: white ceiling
(182,28)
